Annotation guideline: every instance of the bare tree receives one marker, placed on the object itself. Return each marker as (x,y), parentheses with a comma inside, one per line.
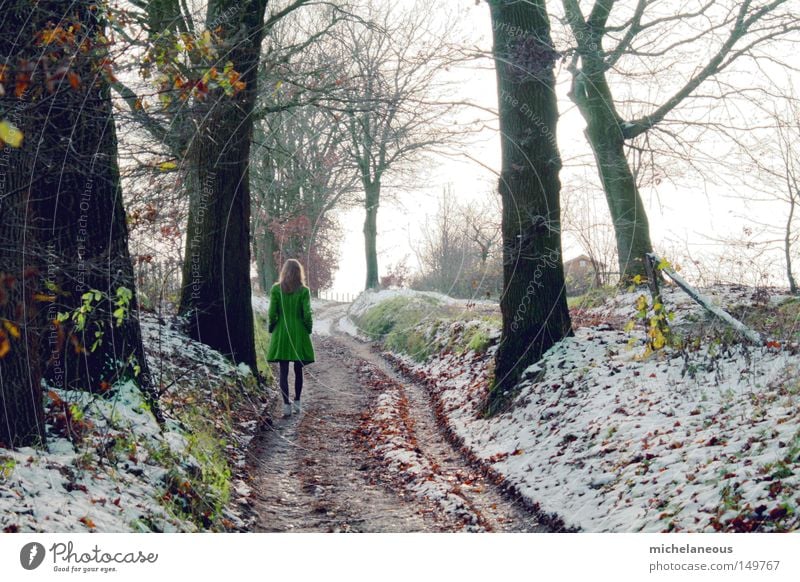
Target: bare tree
(443,251)
(390,68)
(300,168)
(459,250)
(618,44)
(773,161)
(482,225)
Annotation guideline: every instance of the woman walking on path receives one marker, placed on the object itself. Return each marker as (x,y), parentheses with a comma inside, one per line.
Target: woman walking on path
(290,326)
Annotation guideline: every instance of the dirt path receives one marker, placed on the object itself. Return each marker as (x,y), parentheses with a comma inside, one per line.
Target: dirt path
(312,473)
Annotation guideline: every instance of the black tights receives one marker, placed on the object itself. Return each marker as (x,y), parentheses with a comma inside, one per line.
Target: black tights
(284,380)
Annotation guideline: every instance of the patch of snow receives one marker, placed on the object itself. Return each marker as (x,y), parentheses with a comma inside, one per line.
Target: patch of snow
(260,304)
(371,297)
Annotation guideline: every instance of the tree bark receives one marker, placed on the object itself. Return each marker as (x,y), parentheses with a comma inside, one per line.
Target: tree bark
(533,304)
(22,417)
(64,222)
(216,295)
(603,132)
(84,218)
(372,201)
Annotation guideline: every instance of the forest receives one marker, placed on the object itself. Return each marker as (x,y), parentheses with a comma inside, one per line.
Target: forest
(549,251)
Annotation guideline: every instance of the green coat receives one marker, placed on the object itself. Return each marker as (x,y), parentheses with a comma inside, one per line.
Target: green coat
(290,315)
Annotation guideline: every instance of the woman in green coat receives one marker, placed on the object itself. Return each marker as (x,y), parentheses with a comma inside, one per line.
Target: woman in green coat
(290,326)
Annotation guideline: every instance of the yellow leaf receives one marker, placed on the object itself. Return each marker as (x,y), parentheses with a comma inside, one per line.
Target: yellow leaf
(10,134)
(629,326)
(44,298)
(12,329)
(167,166)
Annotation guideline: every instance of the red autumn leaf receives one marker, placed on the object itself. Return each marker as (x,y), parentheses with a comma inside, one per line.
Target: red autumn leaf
(74,80)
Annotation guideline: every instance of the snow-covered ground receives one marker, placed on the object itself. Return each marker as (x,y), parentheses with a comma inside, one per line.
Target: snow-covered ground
(110,466)
(702,438)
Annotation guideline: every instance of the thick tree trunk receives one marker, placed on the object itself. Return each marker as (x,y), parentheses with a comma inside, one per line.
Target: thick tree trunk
(90,237)
(65,206)
(628,215)
(592,95)
(533,304)
(22,413)
(84,224)
(372,200)
(216,295)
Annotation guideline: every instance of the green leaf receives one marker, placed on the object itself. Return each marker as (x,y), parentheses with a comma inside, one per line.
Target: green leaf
(10,134)
(124,294)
